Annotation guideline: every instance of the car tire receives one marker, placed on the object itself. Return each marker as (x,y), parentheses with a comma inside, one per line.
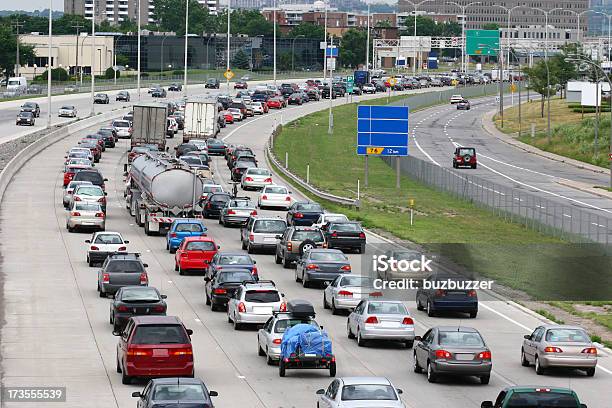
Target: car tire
(409,344)
(176,267)
(102,294)
(538,368)
(361,249)
(237,326)
(360,341)
(431,376)
(430,311)
(297,278)
(243,244)
(207,300)
(118,365)
(249,249)
(524,361)
(473,315)
(349,332)
(590,372)
(334,310)
(332,369)
(110,318)
(475,166)
(281,368)
(325,305)
(277,259)
(125,379)
(485,379)
(181,271)
(286,263)
(90,262)
(269,360)
(419,306)
(415,366)
(305,283)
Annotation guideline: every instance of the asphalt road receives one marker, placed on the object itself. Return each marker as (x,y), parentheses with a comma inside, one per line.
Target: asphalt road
(438,130)
(57,330)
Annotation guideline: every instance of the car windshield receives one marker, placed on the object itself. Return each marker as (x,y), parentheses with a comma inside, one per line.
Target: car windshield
(336,218)
(275,190)
(567,336)
(284,324)
(259,172)
(460,339)
(88,207)
(309,207)
(302,235)
(125,265)
(160,334)
(185,227)
(262,296)
(179,392)
(368,392)
(201,246)
(535,399)
(463,152)
(405,255)
(328,256)
(139,295)
(89,191)
(347,227)
(233,277)
(235,260)
(269,226)
(29,105)
(67,107)
(107,239)
(26,114)
(387,308)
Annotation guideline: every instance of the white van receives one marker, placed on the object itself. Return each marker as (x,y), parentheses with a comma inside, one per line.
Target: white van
(16,85)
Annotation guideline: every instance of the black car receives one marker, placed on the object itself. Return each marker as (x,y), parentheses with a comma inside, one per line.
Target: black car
(101,98)
(31,107)
(434,298)
(243,156)
(303,213)
(25,118)
(222,286)
(108,137)
(171,392)
(180,120)
(184,148)
(345,235)
(215,147)
(295,99)
(158,93)
(240,167)
(325,93)
(260,97)
(123,96)
(175,87)
(212,83)
(90,175)
(112,130)
(224,101)
(135,301)
(213,203)
(236,153)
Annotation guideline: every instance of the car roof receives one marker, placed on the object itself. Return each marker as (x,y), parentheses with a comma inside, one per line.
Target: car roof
(175,380)
(527,388)
(107,233)
(461,329)
(561,326)
(140,320)
(187,221)
(198,239)
(231,253)
(326,250)
(365,380)
(124,255)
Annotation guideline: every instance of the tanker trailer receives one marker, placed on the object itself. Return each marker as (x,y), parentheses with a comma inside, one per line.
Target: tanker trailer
(160,189)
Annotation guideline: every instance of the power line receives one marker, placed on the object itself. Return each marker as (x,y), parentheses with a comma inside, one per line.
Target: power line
(17,25)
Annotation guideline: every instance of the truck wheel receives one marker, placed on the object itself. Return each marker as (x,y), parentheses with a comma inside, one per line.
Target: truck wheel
(244,245)
(332,369)
(281,367)
(277,259)
(286,263)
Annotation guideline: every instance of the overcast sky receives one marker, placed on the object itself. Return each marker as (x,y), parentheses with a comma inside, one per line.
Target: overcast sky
(30,5)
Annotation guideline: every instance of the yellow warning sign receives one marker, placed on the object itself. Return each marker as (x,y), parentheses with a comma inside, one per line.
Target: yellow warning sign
(392,81)
(228,74)
(374,150)
(513,88)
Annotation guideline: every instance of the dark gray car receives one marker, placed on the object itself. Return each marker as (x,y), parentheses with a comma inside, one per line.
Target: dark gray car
(171,392)
(321,265)
(119,270)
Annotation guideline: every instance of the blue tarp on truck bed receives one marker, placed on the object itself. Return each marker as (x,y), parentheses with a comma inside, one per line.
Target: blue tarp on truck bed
(308,339)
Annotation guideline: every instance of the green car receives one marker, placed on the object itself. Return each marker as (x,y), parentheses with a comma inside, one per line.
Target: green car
(526,396)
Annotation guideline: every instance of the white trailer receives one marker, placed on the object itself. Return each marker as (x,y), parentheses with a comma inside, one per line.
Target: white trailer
(201,120)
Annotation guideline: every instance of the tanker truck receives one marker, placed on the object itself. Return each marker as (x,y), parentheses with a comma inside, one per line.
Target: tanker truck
(159,189)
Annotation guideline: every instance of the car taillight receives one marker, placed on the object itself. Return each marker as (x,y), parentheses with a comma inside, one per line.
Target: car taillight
(298,215)
(184,255)
(471,293)
(542,389)
(75,214)
(122,308)
(442,354)
(264,197)
(220,291)
(371,320)
(251,237)
(159,309)
(99,215)
(289,246)
(209,205)
(94,248)
(77,198)
(346,268)
(231,212)
(268,180)
(407,320)
(440,292)
(312,267)
(276,341)
(334,234)
(254,271)
(173,235)
(248,179)
(140,352)
(590,350)
(362,235)
(102,200)
(283,307)
(241,307)
(144,279)
(254,212)
(345,293)
(485,355)
(106,278)
(122,248)
(376,294)
(182,352)
(552,350)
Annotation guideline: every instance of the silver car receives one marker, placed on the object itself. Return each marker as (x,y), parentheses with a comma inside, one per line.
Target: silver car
(237,211)
(68,111)
(255,178)
(85,215)
(381,320)
(559,346)
(254,303)
(89,194)
(67,200)
(270,336)
(123,129)
(360,392)
(345,292)
(260,233)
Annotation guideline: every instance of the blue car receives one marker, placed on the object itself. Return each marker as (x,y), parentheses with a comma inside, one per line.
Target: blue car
(438,294)
(231,260)
(181,228)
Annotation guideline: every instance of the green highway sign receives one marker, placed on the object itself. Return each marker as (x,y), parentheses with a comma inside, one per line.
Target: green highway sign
(350,83)
(481,42)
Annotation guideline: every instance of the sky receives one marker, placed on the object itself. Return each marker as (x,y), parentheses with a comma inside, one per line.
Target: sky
(30,5)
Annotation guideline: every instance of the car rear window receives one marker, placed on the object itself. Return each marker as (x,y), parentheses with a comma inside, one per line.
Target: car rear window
(328,256)
(537,399)
(87,207)
(386,308)
(201,246)
(309,207)
(356,281)
(139,295)
(220,198)
(235,277)
(121,123)
(463,152)
(179,392)
(567,336)
(259,172)
(284,324)
(124,265)
(262,296)
(302,235)
(160,334)
(107,239)
(458,339)
(368,392)
(348,227)
(185,227)
(94,177)
(89,191)
(241,204)
(235,260)
(192,160)
(269,226)
(276,190)
(212,189)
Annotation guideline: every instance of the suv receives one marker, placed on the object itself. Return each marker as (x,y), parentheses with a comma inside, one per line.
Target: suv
(254,303)
(535,397)
(291,245)
(270,336)
(121,269)
(465,157)
(260,233)
(212,83)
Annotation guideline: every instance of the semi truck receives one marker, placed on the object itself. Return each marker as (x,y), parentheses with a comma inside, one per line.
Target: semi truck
(159,189)
(150,125)
(200,120)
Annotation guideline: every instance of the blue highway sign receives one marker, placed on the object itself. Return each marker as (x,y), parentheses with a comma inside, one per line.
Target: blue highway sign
(382,130)
(331,51)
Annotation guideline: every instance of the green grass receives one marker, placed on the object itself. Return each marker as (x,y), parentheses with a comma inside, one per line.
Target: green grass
(549,316)
(603,318)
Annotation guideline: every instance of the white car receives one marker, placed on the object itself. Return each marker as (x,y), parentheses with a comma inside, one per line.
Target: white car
(254,303)
(102,244)
(258,108)
(255,178)
(329,217)
(368,88)
(67,111)
(172,126)
(236,114)
(200,144)
(211,188)
(123,128)
(275,196)
(456,99)
(353,392)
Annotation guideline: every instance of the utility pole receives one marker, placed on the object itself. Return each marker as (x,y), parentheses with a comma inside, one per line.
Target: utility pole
(78,27)
(17,24)
(330,128)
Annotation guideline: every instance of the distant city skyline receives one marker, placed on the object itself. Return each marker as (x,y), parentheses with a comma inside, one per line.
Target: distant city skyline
(31,5)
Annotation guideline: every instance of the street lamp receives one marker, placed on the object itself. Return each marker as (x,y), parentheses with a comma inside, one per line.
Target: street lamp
(93,60)
(186,43)
(49,64)
(274,24)
(509,11)
(546,13)
(138,4)
(417,54)
(463,21)
(609,17)
(368,43)
(578,15)
(161,63)
(293,51)
(229,12)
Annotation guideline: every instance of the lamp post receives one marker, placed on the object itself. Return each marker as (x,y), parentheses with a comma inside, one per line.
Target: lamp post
(293,52)
(367,67)
(416,54)
(93,61)
(274,14)
(138,58)
(509,11)
(161,63)
(49,64)
(325,48)
(229,12)
(186,44)
(210,37)
(463,21)
(578,15)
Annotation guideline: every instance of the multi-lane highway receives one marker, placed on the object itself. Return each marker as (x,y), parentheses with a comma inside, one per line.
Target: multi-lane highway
(56,329)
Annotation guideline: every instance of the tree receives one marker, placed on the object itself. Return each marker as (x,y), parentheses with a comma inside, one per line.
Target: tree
(8,51)
(538,81)
(122,59)
(170,16)
(110,73)
(241,60)
(353,47)
(425,26)
(490,26)
(562,70)
(284,61)
(57,74)
(308,30)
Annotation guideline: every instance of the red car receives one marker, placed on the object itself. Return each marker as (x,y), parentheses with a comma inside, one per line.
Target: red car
(240,85)
(154,346)
(229,118)
(465,157)
(275,103)
(71,171)
(194,254)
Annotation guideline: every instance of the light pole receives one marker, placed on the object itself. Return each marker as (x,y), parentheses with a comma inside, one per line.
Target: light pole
(138,58)
(186,43)
(368,43)
(93,60)
(49,64)
(578,15)
(325,48)
(161,63)
(463,21)
(416,54)
(274,14)
(293,52)
(229,12)
(509,11)
(210,37)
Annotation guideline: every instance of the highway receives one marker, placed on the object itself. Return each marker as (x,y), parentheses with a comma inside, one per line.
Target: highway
(56,329)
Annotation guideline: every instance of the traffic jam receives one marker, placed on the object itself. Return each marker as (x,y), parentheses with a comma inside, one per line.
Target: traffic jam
(180,178)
